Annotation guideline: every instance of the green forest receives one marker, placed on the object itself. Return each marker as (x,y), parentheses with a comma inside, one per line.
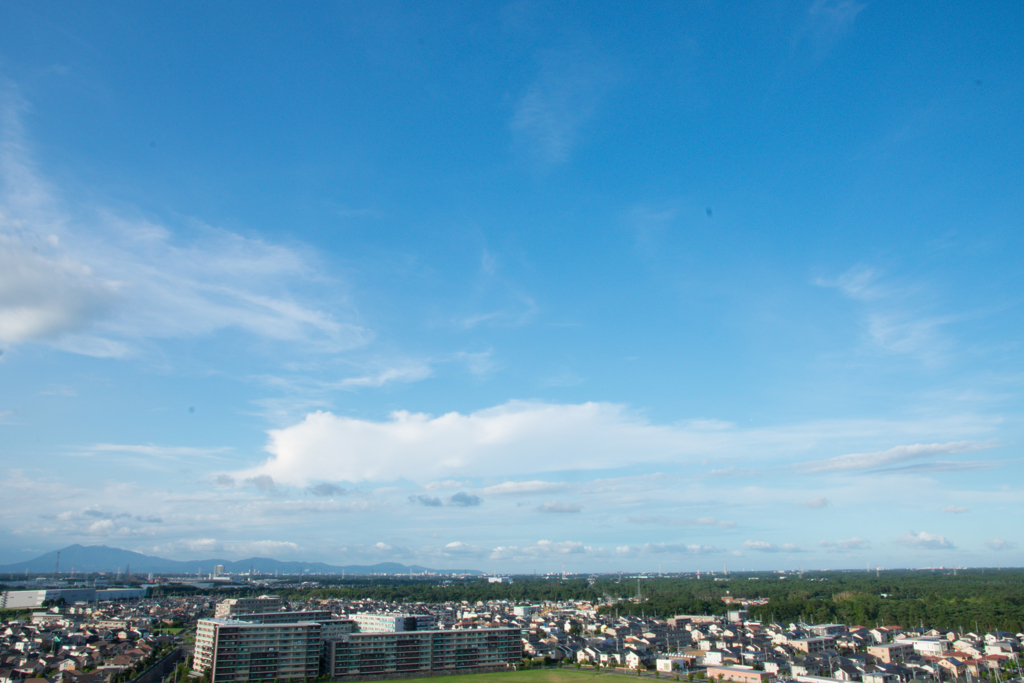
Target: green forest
(969,600)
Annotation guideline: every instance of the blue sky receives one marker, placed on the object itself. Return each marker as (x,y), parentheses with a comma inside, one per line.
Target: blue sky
(512,286)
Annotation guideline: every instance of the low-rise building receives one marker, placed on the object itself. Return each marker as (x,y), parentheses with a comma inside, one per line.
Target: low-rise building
(889,653)
(738,674)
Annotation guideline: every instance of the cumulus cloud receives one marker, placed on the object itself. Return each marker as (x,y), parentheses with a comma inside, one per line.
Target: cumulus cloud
(893,456)
(925,541)
(534,436)
(555,506)
(261,481)
(460,499)
(465,500)
(817,503)
(326,490)
(458,548)
(427,501)
(849,544)
(955,510)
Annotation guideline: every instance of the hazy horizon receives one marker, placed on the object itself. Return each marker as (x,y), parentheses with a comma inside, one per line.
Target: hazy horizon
(512,286)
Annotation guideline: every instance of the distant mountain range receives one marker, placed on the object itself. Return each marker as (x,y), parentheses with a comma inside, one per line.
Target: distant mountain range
(100,558)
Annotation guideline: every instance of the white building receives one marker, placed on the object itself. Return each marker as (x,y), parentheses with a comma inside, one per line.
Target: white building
(393,622)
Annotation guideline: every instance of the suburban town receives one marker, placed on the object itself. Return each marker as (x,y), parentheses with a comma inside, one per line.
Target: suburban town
(122,636)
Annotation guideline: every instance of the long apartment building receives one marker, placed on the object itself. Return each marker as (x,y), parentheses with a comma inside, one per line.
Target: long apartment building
(234,650)
(412,652)
(264,646)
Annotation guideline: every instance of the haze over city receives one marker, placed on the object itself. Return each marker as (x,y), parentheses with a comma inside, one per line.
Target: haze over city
(514,287)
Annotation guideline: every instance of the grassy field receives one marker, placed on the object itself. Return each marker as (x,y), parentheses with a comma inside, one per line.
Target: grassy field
(565,675)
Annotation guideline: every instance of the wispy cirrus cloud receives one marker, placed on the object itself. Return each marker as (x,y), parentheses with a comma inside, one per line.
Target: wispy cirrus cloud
(828,21)
(162,452)
(893,456)
(91,280)
(899,318)
(553,109)
(509,488)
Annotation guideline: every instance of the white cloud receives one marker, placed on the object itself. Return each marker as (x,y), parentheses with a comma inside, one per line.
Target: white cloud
(525,437)
(411,373)
(556,105)
(955,510)
(47,295)
(162,452)
(925,541)
(898,318)
(893,456)
(96,282)
(521,487)
(530,436)
(817,503)
(1000,544)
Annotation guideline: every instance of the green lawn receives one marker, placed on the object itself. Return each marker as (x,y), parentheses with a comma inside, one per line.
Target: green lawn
(564,675)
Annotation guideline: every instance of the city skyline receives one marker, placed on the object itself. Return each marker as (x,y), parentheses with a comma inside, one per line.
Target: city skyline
(514,286)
